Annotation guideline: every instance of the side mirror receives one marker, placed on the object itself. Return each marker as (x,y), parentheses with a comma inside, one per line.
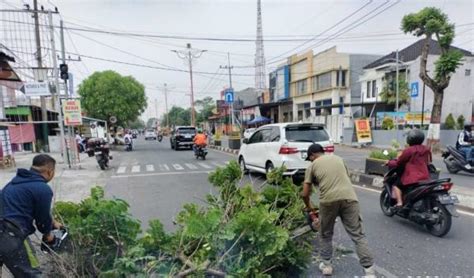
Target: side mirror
(246,141)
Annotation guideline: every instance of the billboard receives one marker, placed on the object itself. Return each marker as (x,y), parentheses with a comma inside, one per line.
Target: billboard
(403,118)
(72,112)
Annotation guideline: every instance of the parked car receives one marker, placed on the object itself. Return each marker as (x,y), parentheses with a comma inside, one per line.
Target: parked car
(275,145)
(182,136)
(248,132)
(150,134)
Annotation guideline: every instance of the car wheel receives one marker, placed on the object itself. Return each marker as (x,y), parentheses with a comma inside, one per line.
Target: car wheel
(243,168)
(269,167)
(176,147)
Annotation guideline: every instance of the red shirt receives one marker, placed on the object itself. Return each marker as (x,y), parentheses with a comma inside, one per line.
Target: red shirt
(415,160)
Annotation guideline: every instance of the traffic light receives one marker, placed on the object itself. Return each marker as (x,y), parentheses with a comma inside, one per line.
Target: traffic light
(63,70)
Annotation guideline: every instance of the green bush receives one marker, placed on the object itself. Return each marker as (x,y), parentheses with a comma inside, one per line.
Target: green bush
(460,121)
(379,154)
(240,233)
(388,124)
(449,123)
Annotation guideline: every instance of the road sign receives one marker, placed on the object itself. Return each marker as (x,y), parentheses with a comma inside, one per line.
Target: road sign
(229,95)
(35,89)
(414,89)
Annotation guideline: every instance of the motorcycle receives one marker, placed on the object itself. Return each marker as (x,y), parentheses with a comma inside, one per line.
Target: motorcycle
(101,150)
(160,137)
(200,152)
(425,203)
(128,145)
(455,161)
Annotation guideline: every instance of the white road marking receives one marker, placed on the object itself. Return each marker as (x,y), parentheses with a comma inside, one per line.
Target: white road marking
(136,169)
(217,164)
(121,170)
(159,174)
(191,166)
(164,167)
(150,168)
(204,165)
(178,167)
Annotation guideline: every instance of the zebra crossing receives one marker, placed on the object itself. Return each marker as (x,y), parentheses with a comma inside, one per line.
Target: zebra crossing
(124,169)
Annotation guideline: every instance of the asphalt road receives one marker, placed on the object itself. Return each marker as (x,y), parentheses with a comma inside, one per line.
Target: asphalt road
(157,181)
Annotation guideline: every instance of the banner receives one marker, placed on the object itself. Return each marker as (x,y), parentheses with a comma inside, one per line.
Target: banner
(403,118)
(72,112)
(363,132)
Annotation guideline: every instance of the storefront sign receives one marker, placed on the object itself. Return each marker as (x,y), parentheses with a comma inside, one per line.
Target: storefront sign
(36,89)
(72,112)
(363,132)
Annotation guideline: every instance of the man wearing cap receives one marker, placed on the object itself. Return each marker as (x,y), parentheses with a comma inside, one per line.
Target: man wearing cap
(337,198)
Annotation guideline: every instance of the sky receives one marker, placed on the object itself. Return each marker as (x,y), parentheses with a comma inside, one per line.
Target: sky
(289,27)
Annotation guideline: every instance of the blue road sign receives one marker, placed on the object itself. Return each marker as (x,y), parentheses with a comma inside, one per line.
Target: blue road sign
(229,95)
(414,89)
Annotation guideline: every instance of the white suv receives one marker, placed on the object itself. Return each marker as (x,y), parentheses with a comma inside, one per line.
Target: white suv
(285,144)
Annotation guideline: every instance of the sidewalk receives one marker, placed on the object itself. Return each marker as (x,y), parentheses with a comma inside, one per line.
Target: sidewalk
(68,184)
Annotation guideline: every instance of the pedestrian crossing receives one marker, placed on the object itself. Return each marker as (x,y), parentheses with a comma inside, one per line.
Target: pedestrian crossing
(168,167)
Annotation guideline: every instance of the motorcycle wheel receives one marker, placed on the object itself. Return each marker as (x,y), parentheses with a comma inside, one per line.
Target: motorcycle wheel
(385,204)
(102,165)
(451,169)
(444,225)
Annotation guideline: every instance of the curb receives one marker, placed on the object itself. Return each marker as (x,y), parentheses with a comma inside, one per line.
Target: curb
(226,150)
(375,182)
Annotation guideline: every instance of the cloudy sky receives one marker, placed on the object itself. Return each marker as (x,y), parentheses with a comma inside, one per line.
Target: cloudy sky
(289,26)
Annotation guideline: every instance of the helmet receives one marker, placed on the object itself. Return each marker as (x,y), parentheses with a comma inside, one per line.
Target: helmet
(468,127)
(415,137)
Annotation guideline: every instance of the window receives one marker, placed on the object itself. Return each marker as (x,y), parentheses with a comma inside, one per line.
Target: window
(306,133)
(343,78)
(267,135)
(275,134)
(374,88)
(324,81)
(467,72)
(257,137)
(301,87)
(321,104)
(368,89)
(307,110)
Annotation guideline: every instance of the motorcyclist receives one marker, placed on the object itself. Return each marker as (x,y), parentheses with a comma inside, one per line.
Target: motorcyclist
(128,140)
(464,144)
(25,206)
(200,140)
(413,162)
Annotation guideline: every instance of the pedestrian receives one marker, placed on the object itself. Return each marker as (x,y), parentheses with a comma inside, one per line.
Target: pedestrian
(25,205)
(336,198)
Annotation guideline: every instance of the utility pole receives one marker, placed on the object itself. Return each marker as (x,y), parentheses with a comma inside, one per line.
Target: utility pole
(397,91)
(166,105)
(189,55)
(229,67)
(39,59)
(56,82)
(70,154)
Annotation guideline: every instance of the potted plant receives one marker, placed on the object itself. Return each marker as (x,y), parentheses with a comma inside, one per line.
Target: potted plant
(234,140)
(377,160)
(217,139)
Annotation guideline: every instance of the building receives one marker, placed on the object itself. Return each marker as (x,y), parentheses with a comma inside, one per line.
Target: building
(279,107)
(380,75)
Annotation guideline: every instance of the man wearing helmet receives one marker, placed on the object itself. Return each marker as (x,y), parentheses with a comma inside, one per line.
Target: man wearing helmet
(413,161)
(464,144)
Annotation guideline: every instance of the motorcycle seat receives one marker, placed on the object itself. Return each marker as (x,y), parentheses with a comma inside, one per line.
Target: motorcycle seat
(431,182)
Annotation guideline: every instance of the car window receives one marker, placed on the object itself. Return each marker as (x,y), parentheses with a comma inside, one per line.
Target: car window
(187,130)
(306,133)
(275,135)
(257,137)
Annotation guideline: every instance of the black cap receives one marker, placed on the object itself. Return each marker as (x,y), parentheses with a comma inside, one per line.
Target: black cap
(314,148)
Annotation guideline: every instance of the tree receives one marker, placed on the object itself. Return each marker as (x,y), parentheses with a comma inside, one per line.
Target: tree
(137,124)
(107,93)
(389,94)
(151,122)
(178,116)
(449,122)
(431,22)
(204,107)
(460,121)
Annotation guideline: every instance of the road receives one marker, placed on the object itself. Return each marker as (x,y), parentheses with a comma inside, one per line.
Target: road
(157,181)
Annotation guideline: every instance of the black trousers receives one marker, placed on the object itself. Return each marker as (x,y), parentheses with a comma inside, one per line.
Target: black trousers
(16,252)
